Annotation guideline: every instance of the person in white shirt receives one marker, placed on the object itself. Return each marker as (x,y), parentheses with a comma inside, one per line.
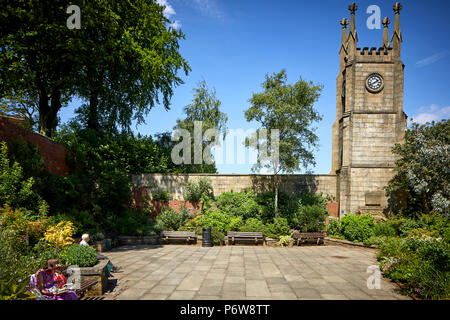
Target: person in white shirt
(84,240)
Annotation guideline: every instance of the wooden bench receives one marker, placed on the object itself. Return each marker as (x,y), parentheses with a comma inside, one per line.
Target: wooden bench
(304,237)
(232,236)
(179,235)
(85,286)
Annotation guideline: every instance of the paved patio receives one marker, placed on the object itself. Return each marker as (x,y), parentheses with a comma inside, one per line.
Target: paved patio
(247,272)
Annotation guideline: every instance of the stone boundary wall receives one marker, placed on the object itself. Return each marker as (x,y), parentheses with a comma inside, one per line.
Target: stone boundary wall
(290,183)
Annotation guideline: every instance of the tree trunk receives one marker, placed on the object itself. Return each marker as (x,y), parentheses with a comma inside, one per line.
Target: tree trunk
(48,113)
(276,202)
(276,194)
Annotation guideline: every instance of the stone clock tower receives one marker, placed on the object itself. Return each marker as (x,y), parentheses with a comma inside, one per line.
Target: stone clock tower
(369,117)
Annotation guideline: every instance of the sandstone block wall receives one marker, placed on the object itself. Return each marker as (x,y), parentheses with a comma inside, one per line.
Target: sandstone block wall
(291,184)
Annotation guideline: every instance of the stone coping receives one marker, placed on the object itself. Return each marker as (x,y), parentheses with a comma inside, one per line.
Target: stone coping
(235,174)
(346,242)
(95,270)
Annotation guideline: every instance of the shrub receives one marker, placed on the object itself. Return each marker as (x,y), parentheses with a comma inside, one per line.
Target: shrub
(194,191)
(216,219)
(193,225)
(279,227)
(161,195)
(375,240)
(287,205)
(134,223)
(421,233)
(254,225)
(170,220)
(240,204)
(236,224)
(78,255)
(217,236)
(60,235)
(334,228)
(16,190)
(383,229)
(429,282)
(312,199)
(421,264)
(285,241)
(309,218)
(437,253)
(403,225)
(357,228)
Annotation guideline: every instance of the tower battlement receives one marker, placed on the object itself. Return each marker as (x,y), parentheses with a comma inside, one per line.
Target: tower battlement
(374,51)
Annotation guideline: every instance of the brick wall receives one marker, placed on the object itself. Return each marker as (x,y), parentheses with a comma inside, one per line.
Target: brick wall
(53,154)
(139,194)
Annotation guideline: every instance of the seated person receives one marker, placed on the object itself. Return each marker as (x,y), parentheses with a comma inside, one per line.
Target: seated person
(85,242)
(85,239)
(45,282)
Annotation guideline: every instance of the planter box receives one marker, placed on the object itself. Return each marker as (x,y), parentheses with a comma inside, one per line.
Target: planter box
(271,242)
(97,272)
(135,240)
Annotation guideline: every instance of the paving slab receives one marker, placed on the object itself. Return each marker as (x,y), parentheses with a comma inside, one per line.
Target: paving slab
(247,272)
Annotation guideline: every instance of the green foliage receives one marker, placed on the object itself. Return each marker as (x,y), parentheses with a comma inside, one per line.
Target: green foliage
(357,228)
(216,219)
(161,195)
(421,180)
(383,229)
(236,224)
(13,290)
(199,191)
(240,204)
(205,107)
(78,255)
(429,282)
(254,225)
(217,236)
(309,218)
(375,240)
(289,109)
(279,227)
(193,225)
(134,67)
(334,227)
(15,190)
(135,223)
(421,264)
(285,241)
(171,220)
(287,205)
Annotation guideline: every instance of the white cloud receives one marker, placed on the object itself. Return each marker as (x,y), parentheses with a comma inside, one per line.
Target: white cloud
(207,8)
(431,113)
(431,59)
(168,10)
(176,24)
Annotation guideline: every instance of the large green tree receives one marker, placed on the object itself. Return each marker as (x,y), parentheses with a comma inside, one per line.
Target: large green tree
(204,109)
(422,170)
(123,60)
(288,108)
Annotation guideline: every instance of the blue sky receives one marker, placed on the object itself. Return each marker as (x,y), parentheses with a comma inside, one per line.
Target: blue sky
(233,44)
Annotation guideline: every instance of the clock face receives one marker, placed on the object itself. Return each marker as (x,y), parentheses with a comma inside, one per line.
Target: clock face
(374,82)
